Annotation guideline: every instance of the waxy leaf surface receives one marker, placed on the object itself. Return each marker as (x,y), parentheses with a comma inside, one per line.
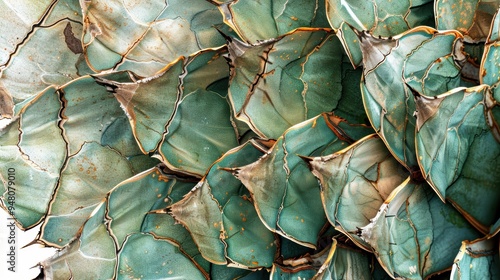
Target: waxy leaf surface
(282,186)
(471,17)
(415,234)
(478,259)
(458,153)
(222,220)
(143,38)
(355,182)
(278,83)
(379,17)
(273,17)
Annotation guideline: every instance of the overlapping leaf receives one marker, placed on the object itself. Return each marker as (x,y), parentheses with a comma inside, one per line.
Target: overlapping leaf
(116,240)
(124,35)
(478,259)
(472,17)
(274,17)
(278,83)
(355,182)
(189,95)
(281,184)
(28,63)
(379,17)
(64,155)
(415,235)
(458,153)
(222,220)
(391,63)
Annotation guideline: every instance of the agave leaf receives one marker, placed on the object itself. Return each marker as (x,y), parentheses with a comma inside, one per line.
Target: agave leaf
(28,64)
(65,146)
(414,234)
(355,182)
(278,83)
(38,128)
(388,100)
(208,114)
(124,35)
(274,17)
(490,68)
(472,18)
(142,248)
(345,262)
(477,259)
(437,65)
(226,272)
(452,131)
(151,103)
(222,220)
(381,18)
(125,215)
(281,184)
(94,248)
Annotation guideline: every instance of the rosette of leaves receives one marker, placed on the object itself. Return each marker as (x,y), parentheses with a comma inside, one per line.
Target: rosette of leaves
(239,139)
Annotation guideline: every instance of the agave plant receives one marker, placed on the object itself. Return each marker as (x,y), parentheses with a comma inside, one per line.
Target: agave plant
(254,139)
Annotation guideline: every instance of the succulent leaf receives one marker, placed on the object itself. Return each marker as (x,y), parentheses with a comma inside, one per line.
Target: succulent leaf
(355,182)
(222,220)
(456,147)
(281,184)
(414,234)
(121,35)
(274,17)
(381,18)
(28,63)
(472,18)
(478,259)
(281,82)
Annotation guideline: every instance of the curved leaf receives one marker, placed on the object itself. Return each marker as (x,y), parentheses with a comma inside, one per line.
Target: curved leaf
(278,83)
(458,153)
(472,17)
(490,63)
(355,182)
(222,220)
(281,184)
(274,17)
(387,98)
(477,259)
(379,17)
(28,64)
(124,35)
(415,235)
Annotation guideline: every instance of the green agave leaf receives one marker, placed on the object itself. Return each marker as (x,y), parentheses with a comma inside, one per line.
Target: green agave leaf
(94,248)
(437,65)
(28,64)
(381,18)
(124,35)
(452,132)
(63,154)
(355,182)
(36,173)
(151,103)
(472,17)
(278,83)
(144,256)
(225,272)
(129,213)
(345,262)
(274,17)
(387,98)
(415,235)
(477,259)
(490,63)
(281,184)
(222,219)
(206,114)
